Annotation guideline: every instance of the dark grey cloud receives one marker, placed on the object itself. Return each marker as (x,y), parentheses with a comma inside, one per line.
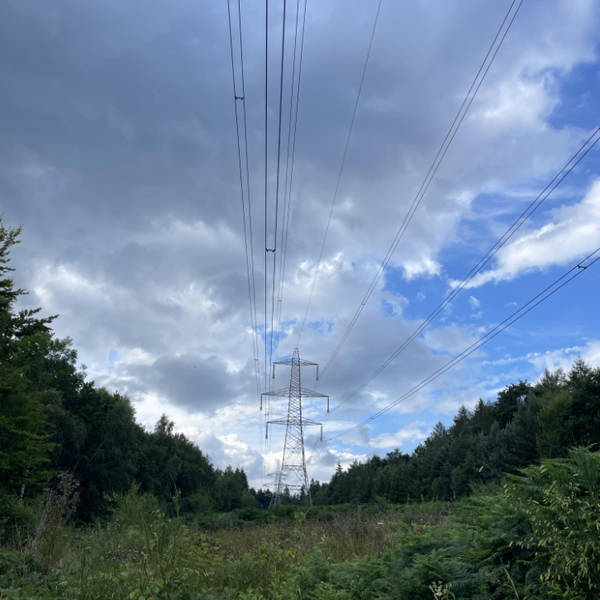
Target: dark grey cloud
(125,113)
(195,383)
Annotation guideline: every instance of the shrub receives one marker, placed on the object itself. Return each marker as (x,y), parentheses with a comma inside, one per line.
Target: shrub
(561,501)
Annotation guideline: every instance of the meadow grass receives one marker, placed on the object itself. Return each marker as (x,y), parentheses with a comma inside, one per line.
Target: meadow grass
(142,554)
(347,533)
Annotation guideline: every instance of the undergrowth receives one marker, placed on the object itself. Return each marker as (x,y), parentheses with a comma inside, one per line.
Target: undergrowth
(533,538)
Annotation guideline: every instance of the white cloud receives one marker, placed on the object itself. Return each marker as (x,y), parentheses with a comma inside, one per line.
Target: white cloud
(574,229)
(474,302)
(135,356)
(563,358)
(423,266)
(50,278)
(414,432)
(591,354)
(517,102)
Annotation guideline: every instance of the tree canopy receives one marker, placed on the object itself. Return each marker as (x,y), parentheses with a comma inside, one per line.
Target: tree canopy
(53,420)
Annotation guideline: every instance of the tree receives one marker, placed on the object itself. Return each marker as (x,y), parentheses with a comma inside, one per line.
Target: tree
(171,466)
(509,400)
(555,434)
(24,443)
(584,384)
(52,419)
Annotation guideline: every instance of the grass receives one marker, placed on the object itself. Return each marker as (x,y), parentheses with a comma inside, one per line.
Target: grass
(142,554)
(533,538)
(347,533)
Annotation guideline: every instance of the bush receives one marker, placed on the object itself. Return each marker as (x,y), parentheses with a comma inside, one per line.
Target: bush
(18,520)
(535,538)
(561,501)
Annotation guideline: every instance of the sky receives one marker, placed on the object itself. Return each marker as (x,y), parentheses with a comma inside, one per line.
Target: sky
(118,157)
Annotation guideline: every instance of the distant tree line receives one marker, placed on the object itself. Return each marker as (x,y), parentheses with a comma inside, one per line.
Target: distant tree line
(53,420)
(525,424)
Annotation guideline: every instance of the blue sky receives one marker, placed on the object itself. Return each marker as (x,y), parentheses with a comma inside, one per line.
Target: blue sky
(118,157)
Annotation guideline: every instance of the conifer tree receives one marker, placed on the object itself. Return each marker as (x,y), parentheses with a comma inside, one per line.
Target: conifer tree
(24,444)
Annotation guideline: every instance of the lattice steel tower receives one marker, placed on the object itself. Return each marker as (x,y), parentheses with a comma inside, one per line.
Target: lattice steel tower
(292,474)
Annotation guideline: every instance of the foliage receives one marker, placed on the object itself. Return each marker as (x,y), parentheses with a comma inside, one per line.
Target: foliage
(534,537)
(52,421)
(526,423)
(24,445)
(142,552)
(60,502)
(561,501)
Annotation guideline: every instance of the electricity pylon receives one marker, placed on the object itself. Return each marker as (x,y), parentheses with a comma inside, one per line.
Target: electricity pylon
(292,473)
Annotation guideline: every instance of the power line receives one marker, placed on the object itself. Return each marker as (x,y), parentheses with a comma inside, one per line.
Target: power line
(518,222)
(290,156)
(266,193)
(244,195)
(274,249)
(286,199)
(266,167)
(493,50)
(575,271)
(246,212)
(250,225)
(279,124)
(340,171)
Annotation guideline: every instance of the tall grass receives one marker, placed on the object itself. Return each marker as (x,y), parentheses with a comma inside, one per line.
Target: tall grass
(141,553)
(534,538)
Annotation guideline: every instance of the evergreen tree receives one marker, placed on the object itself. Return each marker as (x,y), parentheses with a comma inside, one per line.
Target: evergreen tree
(24,443)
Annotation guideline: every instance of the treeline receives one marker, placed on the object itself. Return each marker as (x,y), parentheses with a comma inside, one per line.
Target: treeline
(53,421)
(525,424)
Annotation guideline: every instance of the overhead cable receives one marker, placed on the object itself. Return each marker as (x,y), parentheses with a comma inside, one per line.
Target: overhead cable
(575,271)
(510,231)
(244,179)
(340,172)
(266,186)
(274,248)
(487,62)
(290,156)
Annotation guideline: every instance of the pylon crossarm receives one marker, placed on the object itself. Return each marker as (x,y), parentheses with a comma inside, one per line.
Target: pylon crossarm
(307,363)
(283,392)
(300,361)
(295,361)
(308,393)
(309,422)
(312,394)
(282,362)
